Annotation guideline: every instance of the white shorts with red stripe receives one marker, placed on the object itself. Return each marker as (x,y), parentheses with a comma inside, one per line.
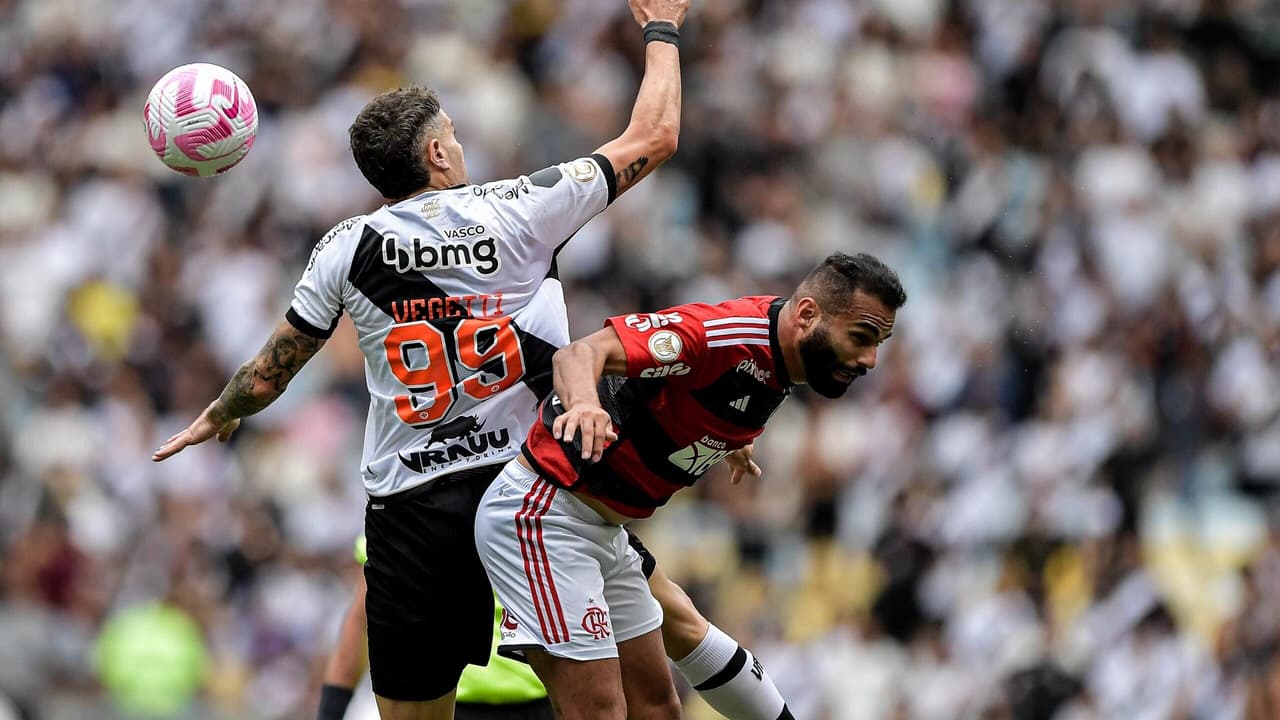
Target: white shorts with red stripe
(570,582)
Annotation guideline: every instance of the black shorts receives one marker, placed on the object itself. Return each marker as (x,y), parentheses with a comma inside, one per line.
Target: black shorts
(533,710)
(648,563)
(429,605)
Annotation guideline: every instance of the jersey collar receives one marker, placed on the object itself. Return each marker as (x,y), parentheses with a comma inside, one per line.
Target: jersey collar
(779,361)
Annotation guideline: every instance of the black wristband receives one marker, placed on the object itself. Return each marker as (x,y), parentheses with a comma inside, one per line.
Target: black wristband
(333,702)
(661,31)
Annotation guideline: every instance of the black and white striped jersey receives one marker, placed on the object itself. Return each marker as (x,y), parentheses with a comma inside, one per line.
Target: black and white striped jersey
(458,309)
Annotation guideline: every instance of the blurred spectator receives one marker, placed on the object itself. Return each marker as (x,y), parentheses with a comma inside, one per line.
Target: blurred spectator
(151,659)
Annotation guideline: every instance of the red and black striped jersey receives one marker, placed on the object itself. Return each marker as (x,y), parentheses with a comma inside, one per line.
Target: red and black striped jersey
(701,382)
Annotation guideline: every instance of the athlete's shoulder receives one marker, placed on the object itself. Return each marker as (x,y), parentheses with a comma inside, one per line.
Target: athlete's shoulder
(756,306)
(751,310)
(580,175)
(500,192)
(339,235)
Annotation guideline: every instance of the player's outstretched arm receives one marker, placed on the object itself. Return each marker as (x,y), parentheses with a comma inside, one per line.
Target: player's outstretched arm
(576,369)
(654,130)
(254,386)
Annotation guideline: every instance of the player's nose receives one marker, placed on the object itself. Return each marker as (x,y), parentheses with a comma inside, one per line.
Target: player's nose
(867,358)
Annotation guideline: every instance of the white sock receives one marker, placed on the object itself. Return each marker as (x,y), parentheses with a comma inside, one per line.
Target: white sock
(731,680)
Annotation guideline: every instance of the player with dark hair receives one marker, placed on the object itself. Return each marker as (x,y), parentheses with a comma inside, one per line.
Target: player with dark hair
(642,409)
(453,292)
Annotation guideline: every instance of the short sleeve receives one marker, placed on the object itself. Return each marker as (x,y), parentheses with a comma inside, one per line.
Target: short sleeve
(318,296)
(662,344)
(552,204)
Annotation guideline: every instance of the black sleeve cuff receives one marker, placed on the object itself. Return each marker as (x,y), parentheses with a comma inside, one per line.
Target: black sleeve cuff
(307,328)
(606,167)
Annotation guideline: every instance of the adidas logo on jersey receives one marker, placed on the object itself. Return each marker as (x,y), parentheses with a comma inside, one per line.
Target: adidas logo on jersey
(741,403)
(423,255)
(666,371)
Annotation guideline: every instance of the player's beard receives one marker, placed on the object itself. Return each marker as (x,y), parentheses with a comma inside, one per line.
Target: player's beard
(821,363)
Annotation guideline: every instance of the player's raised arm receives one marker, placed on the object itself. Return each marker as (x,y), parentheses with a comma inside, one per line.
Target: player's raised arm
(577,368)
(654,130)
(254,386)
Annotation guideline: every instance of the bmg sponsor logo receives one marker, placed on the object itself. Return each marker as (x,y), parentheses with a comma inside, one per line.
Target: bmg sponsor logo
(423,255)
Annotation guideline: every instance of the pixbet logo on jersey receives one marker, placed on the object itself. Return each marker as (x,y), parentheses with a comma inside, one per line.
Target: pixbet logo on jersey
(750,367)
(423,255)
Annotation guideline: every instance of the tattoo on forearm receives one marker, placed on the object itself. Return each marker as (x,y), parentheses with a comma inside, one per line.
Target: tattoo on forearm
(632,171)
(276,364)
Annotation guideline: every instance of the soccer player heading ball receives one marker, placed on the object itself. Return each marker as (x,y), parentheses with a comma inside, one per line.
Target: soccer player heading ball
(452,291)
(685,387)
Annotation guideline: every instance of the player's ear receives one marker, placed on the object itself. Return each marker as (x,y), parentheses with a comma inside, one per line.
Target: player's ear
(807,313)
(436,155)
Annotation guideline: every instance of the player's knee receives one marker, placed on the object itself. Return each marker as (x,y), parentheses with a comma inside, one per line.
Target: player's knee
(683,627)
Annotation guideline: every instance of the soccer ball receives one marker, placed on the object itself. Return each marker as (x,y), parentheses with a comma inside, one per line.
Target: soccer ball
(200,119)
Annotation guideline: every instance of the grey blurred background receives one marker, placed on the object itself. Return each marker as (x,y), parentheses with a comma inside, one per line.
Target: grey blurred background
(1055,497)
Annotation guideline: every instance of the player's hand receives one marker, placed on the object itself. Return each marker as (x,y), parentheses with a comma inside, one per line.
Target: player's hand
(593,422)
(672,11)
(741,464)
(197,432)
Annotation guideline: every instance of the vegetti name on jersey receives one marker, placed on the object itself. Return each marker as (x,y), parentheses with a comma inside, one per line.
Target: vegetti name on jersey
(458,310)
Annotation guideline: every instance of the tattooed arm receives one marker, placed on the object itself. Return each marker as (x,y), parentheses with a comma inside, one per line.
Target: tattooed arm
(254,386)
(654,131)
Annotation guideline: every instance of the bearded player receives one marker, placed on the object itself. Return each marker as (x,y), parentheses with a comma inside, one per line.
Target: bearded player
(453,293)
(687,386)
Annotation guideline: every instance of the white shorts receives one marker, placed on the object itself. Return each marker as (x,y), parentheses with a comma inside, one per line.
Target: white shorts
(570,582)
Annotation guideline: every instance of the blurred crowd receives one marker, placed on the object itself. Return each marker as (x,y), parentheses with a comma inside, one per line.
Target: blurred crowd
(1054,498)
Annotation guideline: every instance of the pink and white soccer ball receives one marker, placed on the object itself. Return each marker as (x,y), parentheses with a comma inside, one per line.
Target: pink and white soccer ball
(201,119)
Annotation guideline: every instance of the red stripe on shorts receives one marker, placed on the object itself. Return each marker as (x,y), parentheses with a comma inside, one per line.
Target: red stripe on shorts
(532,569)
(537,519)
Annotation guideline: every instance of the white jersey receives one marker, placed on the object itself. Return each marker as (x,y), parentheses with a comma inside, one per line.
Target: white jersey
(455,298)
